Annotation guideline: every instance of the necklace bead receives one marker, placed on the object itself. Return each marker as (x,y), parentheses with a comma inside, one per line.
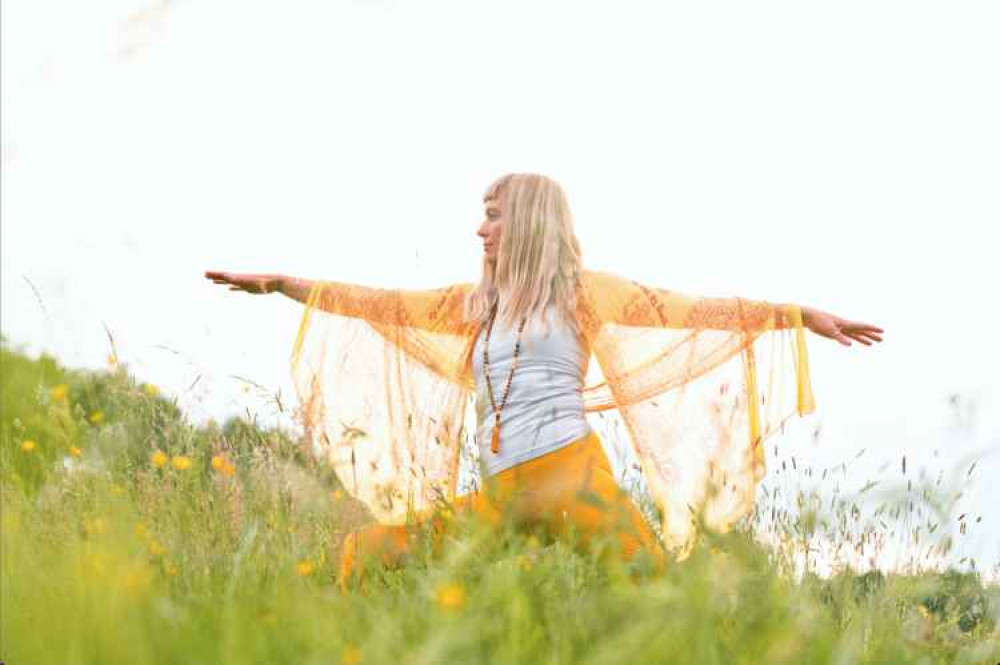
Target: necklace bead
(495,439)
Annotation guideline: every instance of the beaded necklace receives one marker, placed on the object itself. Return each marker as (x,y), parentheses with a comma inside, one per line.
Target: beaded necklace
(495,439)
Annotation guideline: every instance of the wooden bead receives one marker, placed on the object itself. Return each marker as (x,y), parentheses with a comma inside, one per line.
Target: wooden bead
(495,439)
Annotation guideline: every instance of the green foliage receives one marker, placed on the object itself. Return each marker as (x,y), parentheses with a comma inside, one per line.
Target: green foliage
(136,537)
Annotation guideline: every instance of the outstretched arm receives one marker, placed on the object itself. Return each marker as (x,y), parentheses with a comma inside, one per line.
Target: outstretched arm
(627,302)
(438,310)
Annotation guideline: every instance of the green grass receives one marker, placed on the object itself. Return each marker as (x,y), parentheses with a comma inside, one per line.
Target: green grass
(107,558)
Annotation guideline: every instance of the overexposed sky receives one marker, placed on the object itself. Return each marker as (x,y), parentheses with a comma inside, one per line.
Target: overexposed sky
(844,156)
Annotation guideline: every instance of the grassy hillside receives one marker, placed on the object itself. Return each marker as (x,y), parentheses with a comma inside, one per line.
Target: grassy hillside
(131,536)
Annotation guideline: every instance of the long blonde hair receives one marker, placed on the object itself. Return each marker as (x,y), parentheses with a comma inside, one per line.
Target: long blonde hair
(538,262)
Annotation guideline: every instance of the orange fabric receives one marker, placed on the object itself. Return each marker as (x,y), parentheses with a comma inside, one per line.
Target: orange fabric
(572,486)
(384,380)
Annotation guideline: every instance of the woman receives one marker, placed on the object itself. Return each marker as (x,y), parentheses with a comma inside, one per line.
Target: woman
(384,375)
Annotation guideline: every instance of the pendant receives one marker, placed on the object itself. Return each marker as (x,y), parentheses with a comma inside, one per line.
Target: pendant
(495,440)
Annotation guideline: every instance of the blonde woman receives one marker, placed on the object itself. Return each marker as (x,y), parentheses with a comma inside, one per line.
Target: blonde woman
(384,375)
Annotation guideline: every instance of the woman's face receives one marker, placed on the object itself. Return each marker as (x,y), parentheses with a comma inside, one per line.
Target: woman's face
(491,227)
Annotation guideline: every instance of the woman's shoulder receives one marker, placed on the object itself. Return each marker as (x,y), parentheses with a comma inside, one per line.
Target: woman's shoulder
(597,280)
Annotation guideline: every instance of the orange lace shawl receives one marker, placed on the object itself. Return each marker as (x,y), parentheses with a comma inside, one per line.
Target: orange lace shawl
(384,378)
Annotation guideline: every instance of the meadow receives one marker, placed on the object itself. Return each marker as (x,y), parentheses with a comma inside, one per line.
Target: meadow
(130,535)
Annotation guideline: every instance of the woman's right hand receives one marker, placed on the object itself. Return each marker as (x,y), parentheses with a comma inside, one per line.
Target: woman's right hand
(249,282)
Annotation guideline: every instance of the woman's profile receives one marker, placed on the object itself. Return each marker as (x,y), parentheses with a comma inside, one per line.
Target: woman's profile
(384,376)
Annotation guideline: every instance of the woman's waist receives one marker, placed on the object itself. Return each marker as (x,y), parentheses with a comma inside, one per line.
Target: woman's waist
(539,411)
(535,399)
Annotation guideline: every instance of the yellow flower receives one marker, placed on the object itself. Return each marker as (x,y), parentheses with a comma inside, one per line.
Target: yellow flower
(170,569)
(151,390)
(156,548)
(74,451)
(337,495)
(223,466)
(159,459)
(27,445)
(136,579)
(304,568)
(181,463)
(59,392)
(96,526)
(525,562)
(451,597)
(112,360)
(350,656)
(97,417)
(141,530)
(117,489)
(533,543)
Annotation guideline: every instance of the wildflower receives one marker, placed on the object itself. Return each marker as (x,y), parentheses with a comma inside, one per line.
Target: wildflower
(159,459)
(181,463)
(156,548)
(351,655)
(533,543)
(151,390)
(525,562)
(59,392)
(74,451)
(136,579)
(112,360)
(304,568)
(117,489)
(337,495)
(451,597)
(170,569)
(97,417)
(27,445)
(96,527)
(141,530)
(223,466)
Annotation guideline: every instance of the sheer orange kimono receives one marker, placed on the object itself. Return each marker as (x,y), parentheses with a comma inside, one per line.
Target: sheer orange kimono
(384,377)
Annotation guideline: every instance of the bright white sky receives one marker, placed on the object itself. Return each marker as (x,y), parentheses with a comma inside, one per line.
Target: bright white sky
(843,156)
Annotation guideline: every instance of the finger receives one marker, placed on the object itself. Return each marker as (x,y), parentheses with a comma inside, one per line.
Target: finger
(860,339)
(857,326)
(867,334)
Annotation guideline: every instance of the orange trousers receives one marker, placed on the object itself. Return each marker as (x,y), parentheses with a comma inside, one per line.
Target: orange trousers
(573,486)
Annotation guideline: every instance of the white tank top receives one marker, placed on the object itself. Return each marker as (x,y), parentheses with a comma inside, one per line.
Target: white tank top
(544,411)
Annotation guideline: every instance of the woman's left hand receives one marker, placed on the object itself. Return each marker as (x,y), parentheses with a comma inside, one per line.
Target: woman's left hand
(841,330)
